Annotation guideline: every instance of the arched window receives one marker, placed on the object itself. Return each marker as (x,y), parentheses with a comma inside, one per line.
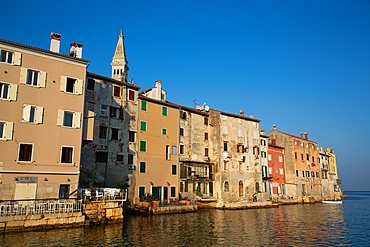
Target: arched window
(240,188)
(226,186)
(257,186)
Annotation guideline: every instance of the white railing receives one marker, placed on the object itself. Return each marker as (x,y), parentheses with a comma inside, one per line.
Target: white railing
(103,194)
(42,206)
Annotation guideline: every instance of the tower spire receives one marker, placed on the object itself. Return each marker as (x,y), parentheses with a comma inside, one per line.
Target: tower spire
(119,61)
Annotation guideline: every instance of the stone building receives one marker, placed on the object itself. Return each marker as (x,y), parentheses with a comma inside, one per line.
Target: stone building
(42,102)
(302,172)
(330,187)
(264,165)
(235,150)
(197,165)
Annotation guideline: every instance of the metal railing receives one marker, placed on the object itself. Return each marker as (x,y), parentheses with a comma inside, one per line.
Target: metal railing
(40,206)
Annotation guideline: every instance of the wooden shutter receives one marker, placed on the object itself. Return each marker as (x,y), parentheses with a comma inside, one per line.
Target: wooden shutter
(79,86)
(77,120)
(23,75)
(39,114)
(63,83)
(8,135)
(42,79)
(60,117)
(17,58)
(26,113)
(13,91)
(121,113)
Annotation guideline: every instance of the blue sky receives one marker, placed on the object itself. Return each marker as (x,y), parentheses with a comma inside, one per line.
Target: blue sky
(302,65)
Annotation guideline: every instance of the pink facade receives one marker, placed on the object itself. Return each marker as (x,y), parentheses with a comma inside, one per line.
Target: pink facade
(276,169)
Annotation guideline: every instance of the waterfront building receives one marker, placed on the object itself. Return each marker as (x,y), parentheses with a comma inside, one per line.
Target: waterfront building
(265,165)
(158,138)
(276,171)
(302,173)
(330,187)
(236,150)
(334,171)
(42,104)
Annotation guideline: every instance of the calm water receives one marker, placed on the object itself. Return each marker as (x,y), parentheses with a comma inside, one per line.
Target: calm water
(347,224)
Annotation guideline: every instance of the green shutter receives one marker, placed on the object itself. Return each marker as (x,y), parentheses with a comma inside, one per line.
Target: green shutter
(143,146)
(173,191)
(143,105)
(164,131)
(142,167)
(142,126)
(141,191)
(174,169)
(164,111)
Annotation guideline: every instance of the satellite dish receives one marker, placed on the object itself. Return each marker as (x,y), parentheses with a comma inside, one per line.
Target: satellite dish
(207,108)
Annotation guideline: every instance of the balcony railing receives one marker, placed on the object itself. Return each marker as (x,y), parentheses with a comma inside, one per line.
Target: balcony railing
(42,206)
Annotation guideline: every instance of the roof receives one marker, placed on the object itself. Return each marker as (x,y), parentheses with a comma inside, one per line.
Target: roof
(43,51)
(133,86)
(274,146)
(237,116)
(297,137)
(180,107)
(149,89)
(265,136)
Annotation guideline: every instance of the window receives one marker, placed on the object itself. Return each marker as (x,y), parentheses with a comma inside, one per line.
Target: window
(142,167)
(256,150)
(240,148)
(142,126)
(308,157)
(206,152)
(141,191)
(263,142)
(90,84)
(131,95)
(174,150)
(296,173)
(183,115)
(317,174)
(281,171)
(174,169)
(130,159)
(119,158)
(101,157)
(116,91)
(168,154)
(25,152)
(6,57)
(226,166)
(205,136)
(64,190)
(318,159)
(239,132)
(164,131)
(32,114)
(115,112)
(303,175)
(240,167)
(114,134)
(69,119)
(296,155)
(270,170)
(307,174)
(263,154)
(103,111)
(226,186)
(8,91)
(313,159)
(313,174)
(225,130)
(225,147)
(164,111)
(71,85)
(143,146)
(103,132)
(162,96)
(181,132)
(131,136)
(66,156)
(33,77)
(269,158)
(280,158)
(181,149)
(143,105)
(173,191)
(302,157)
(206,121)
(6,130)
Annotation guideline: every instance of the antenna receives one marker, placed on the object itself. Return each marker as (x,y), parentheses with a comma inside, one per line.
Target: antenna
(195,102)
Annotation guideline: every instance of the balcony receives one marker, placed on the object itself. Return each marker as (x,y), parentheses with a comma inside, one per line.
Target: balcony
(196,171)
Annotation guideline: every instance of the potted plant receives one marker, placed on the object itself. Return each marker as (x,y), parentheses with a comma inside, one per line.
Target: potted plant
(123,186)
(155,201)
(184,201)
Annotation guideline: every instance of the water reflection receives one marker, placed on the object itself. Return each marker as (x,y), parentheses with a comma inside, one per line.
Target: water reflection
(308,225)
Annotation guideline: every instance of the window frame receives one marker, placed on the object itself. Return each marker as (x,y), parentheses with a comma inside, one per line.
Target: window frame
(143,105)
(174,170)
(37,115)
(6,131)
(76,121)
(164,131)
(142,146)
(19,152)
(77,86)
(173,150)
(61,154)
(142,167)
(143,126)
(131,95)
(116,91)
(164,111)
(11,91)
(90,85)
(114,131)
(131,136)
(104,156)
(103,134)
(173,191)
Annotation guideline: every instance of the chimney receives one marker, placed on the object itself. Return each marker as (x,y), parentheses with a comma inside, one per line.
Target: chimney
(241,113)
(306,135)
(158,86)
(251,116)
(301,135)
(274,127)
(262,132)
(55,42)
(75,50)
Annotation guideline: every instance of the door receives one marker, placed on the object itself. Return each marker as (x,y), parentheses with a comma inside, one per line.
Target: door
(64,191)
(156,191)
(25,191)
(240,188)
(211,189)
(165,193)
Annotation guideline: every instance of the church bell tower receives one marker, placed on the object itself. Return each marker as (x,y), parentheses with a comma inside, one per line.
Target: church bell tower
(119,61)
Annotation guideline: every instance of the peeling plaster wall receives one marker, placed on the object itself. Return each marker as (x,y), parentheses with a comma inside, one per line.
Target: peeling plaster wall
(124,120)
